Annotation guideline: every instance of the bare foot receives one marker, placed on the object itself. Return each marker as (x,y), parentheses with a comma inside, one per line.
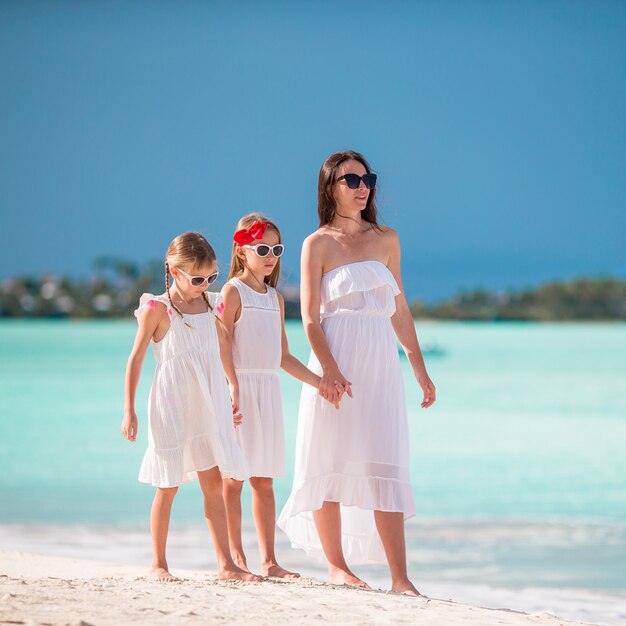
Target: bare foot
(162,574)
(240,562)
(346,577)
(276,571)
(407,588)
(238,573)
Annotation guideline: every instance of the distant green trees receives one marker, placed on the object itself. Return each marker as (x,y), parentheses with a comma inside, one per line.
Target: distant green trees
(112,291)
(582,299)
(116,284)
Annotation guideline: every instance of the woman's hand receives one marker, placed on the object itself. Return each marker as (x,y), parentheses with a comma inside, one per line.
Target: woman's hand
(129,425)
(430,394)
(333,385)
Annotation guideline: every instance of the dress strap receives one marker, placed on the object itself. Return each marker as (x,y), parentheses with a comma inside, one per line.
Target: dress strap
(253,299)
(215,301)
(241,288)
(273,294)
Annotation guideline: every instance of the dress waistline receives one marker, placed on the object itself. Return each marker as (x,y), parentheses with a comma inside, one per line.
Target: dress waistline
(256,370)
(369,315)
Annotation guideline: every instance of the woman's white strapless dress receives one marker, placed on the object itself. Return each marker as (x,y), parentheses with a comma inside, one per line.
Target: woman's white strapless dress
(357,455)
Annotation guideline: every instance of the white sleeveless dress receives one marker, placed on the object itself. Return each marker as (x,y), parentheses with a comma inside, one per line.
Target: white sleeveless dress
(257,353)
(357,455)
(190,419)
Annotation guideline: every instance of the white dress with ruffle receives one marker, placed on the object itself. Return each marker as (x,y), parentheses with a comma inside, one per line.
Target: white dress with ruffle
(257,353)
(190,419)
(357,455)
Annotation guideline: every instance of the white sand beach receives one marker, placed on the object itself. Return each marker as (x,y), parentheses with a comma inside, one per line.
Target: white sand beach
(39,590)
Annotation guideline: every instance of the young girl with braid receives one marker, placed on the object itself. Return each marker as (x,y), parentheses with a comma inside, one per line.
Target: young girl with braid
(190,420)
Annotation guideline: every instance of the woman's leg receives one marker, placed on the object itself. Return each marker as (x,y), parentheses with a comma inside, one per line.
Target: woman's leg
(215,513)
(159,526)
(264,512)
(232,501)
(328,523)
(391,530)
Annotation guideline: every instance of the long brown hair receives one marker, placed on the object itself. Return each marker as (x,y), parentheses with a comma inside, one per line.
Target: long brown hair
(326,203)
(236,263)
(186,251)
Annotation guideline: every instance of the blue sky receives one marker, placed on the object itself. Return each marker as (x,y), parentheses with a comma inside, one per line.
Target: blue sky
(498,130)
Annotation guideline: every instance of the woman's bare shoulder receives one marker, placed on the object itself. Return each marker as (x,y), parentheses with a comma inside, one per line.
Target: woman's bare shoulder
(389,239)
(387,231)
(318,240)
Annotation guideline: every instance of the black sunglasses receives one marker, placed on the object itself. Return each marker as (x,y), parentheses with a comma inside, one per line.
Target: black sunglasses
(354,180)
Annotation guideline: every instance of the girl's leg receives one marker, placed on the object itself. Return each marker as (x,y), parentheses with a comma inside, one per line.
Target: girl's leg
(232,501)
(215,513)
(328,523)
(159,525)
(391,530)
(264,511)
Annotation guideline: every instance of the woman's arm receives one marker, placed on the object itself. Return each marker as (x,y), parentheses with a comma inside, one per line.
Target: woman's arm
(225,329)
(290,363)
(404,326)
(153,317)
(333,382)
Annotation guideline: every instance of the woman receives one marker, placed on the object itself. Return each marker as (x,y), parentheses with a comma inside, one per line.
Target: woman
(351,490)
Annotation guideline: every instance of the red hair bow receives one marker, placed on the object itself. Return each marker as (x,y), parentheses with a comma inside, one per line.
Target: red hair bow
(248,235)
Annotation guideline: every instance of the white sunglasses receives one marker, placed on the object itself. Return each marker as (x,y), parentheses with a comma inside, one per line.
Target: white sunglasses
(263,249)
(196,281)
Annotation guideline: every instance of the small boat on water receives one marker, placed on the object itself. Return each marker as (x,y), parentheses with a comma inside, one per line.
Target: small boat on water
(428,348)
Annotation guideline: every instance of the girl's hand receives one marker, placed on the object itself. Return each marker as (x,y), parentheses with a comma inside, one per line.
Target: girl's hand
(333,385)
(234,400)
(340,389)
(129,425)
(234,396)
(430,394)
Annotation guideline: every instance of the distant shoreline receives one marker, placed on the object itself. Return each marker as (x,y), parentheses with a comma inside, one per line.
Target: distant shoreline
(114,294)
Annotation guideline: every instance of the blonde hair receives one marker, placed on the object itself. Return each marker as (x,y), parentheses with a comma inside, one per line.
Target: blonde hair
(186,251)
(237,266)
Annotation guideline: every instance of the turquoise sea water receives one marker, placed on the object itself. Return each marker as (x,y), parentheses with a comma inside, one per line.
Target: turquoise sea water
(518,471)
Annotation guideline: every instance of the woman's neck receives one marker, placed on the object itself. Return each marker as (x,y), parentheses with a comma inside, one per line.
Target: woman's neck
(253,280)
(348,223)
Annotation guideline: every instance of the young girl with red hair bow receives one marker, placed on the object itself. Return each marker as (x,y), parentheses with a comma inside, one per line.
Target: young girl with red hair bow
(253,314)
